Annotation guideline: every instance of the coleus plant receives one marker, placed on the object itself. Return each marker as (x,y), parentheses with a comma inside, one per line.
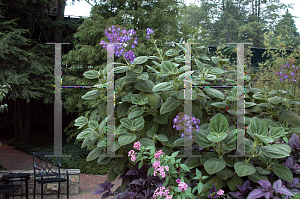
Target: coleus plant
(268,191)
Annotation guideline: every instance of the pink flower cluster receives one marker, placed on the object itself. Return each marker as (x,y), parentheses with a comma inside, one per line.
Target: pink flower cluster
(220,192)
(133,154)
(182,186)
(161,169)
(158,154)
(137,145)
(162,191)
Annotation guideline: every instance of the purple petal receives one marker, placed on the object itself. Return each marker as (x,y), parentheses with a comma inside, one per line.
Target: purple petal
(264,183)
(257,193)
(284,191)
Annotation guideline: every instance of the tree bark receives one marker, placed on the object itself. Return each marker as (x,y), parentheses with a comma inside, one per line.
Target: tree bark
(59,18)
(258,12)
(27,120)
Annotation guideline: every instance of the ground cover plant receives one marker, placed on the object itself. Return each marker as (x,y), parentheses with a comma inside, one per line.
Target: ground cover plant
(151,130)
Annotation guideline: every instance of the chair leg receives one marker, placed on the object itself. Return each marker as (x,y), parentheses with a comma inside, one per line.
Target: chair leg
(34,187)
(68,189)
(58,189)
(42,190)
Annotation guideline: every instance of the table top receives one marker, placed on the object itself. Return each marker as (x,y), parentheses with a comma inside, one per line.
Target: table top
(16,175)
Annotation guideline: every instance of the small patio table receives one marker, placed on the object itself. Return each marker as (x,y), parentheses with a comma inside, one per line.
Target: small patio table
(22,177)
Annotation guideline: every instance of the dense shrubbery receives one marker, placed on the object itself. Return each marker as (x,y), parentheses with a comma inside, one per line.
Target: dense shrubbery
(147,100)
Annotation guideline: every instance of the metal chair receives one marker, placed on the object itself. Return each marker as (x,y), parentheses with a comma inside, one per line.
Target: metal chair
(7,187)
(45,172)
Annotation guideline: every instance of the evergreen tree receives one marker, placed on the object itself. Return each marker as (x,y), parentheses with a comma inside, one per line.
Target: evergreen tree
(286,29)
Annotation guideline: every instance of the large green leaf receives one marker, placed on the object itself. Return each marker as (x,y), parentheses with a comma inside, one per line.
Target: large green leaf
(244,169)
(211,92)
(214,165)
(180,94)
(276,100)
(146,142)
(138,123)
(95,153)
(126,123)
(121,69)
(164,86)
(192,162)
(103,159)
(183,142)
(91,74)
(262,171)
(257,126)
(215,137)
(169,106)
(138,99)
(154,99)
(122,109)
(276,132)
(93,125)
(91,94)
(81,121)
(161,119)
(276,151)
(126,139)
(206,156)
(143,76)
(112,175)
(136,112)
(201,139)
(232,182)
(185,75)
(265,139)
(256,177)
(233,139)
(140,60)
(218,124)
(167,67)
(84,134)
(289,116)
(283,172)
(219,104)
(225,174)
(144,85)
(162,138)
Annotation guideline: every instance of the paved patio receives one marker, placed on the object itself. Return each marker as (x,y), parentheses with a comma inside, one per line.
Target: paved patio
(13,159)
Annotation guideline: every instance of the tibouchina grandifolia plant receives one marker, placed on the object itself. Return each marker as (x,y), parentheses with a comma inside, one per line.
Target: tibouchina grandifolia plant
(147,100)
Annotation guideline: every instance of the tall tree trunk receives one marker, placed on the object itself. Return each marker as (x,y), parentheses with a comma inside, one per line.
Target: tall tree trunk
(16,122)
(27,120)
(253,13)
(258,13)
(59,18)
(20,118)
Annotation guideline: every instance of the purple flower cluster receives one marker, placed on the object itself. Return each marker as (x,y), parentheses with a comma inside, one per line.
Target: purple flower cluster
(116,34)
(290,74)
(149,31)
(184,120)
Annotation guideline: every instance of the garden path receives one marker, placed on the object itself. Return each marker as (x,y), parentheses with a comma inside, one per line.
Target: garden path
(13,159)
